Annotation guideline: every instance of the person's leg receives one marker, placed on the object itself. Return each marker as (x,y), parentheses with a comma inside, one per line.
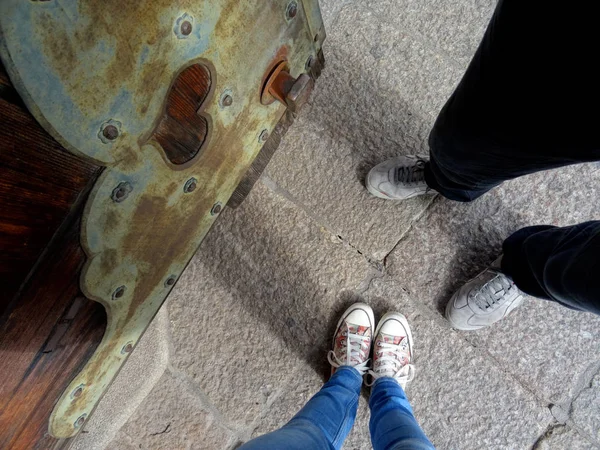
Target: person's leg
(393,425)
(548,262)
(512,113)
(557,263)
(325,421)
(526,103)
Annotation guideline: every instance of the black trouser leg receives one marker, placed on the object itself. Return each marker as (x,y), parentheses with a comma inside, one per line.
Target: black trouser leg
(528,101)
(560,264)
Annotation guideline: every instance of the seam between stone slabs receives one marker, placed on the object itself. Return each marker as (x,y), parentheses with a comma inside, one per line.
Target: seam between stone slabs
(413,221)
(562,411)
(583,433)
(203,401)
(267,181)
(547,433)
(365,284)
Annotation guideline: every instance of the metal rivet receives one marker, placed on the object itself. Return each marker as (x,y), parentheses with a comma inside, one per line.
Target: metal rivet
(109,131)
(190,185)
(183,26)
(80,421)
(309,63)
(121,192)
(127,348)
(292,10)
(78,391)
(170,281)
(118,293)
(216,209)
(264,135)
(227,100)
(186,27)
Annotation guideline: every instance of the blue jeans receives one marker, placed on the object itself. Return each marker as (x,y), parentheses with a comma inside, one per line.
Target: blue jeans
(327,418)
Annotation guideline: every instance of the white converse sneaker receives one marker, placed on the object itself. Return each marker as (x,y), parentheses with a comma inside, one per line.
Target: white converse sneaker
(486,299)
(398,178)
(393,350)
(352,339)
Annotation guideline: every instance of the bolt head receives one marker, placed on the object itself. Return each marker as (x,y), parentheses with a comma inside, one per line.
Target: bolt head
(80,421)
(183,26)
(227,100)
(292,10)
(77,392)
(127,348)
(121,192)
(170,281)
(119,292)
(186,27)
(309,63)
(190,185)
(110,132)
(216,209)
(264,135)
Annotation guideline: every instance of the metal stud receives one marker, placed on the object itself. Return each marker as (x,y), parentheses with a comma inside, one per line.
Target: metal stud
(184,26)
(121,192)
(170,281)
(78,391)
(127,348)
(118,293)
(264,135)
(291,10)
(216,209)
(80,421)
(109,131)
(190,185)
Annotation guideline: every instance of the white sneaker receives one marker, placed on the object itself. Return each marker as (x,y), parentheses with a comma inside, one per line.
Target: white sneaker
(393,350)
(352,339)
(398,178)
(486,299)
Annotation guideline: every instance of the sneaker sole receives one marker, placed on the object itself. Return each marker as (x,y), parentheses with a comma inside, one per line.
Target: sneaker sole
(475,328)
(375,193)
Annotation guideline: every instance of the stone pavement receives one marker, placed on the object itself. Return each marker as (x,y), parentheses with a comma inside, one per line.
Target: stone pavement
(242,343)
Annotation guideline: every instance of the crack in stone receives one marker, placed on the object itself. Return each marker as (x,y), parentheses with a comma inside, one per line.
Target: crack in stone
(166,430)
(562,411)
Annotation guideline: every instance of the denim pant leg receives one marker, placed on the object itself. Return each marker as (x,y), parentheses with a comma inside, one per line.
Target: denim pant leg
(513,113)
(557,263)
(393,425)
(323,423)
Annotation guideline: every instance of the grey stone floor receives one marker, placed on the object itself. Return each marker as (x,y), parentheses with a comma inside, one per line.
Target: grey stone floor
(242,343)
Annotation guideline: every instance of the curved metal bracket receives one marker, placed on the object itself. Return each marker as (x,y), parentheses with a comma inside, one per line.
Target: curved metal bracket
(98,79)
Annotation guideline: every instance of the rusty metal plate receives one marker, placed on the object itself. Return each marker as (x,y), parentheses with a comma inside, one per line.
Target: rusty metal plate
(97,76)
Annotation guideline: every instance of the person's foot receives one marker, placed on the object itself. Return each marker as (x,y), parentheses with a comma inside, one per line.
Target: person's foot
(352,339)
(398,178)
(486,299)
(393,350)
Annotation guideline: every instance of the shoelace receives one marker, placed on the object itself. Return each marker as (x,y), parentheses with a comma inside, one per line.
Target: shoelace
(389,364)
(354,352)
(411,174)
(493,291)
